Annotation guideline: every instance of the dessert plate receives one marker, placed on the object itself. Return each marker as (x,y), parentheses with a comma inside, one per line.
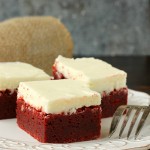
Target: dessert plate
(12,137)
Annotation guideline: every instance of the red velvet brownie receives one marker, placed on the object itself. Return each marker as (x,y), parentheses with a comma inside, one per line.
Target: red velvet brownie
(109,81)
(11,73)
(59,111)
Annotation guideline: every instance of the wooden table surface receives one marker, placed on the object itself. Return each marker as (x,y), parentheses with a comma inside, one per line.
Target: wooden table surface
(137,68)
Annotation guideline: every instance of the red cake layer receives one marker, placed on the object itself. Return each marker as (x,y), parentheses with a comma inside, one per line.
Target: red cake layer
(56,74)
(59,128)
(110,101)
(8,104)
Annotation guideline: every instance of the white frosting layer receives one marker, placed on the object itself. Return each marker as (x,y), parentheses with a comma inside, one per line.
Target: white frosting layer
(57,96)
(12,73)
(99,75)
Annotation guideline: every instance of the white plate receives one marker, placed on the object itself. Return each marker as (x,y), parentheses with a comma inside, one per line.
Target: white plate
(12,137)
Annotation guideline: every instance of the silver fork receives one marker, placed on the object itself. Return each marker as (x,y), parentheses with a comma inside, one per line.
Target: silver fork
(128,109)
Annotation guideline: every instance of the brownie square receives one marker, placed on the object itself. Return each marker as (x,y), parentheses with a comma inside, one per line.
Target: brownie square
(113,96)
(110,101)
(11,73)
(59,111)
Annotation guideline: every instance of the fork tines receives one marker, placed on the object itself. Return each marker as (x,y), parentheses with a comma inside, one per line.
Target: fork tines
(128,109)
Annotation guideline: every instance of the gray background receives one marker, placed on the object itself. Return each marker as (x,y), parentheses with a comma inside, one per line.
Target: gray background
(98,27)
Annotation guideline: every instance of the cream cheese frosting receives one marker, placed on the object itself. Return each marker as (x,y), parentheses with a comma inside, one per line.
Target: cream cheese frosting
(57,96)
(99,75)
(12,73)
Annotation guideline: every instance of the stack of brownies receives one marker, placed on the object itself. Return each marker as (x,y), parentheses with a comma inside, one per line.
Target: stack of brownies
(63,111)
